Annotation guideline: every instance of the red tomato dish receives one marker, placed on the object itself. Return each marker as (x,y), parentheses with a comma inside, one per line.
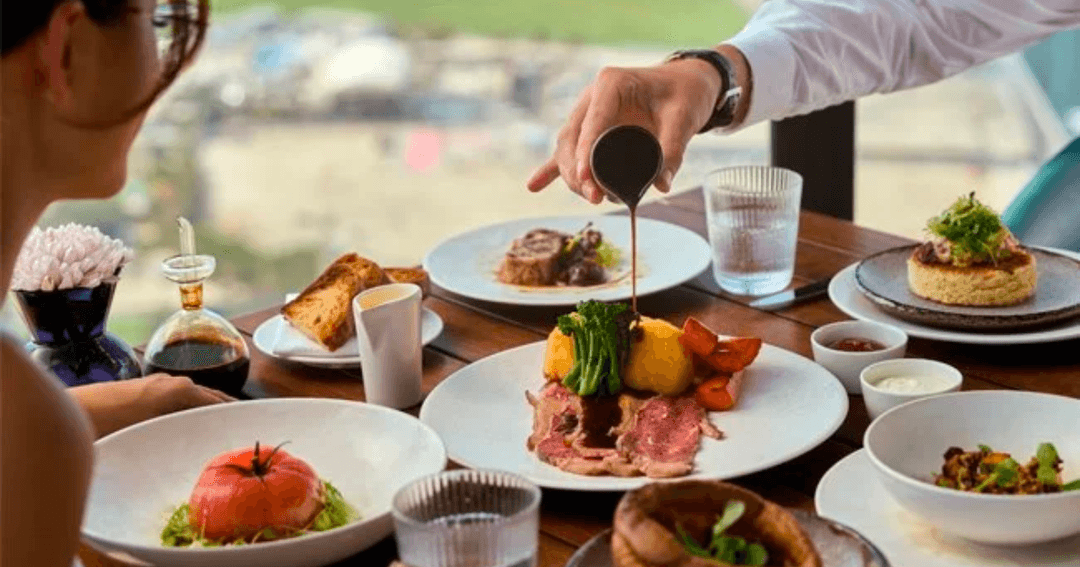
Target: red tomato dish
(244,492)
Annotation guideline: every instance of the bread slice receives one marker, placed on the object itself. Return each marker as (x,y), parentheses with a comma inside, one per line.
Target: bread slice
(323,311)
(414,275)
(1010,282)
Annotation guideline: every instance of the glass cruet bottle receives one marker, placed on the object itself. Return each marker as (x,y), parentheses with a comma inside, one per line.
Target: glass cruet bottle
(195,341)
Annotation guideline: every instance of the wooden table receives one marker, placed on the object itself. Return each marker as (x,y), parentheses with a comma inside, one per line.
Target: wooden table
(474,330)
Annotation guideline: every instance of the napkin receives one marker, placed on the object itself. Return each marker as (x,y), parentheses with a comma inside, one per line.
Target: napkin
(289,342)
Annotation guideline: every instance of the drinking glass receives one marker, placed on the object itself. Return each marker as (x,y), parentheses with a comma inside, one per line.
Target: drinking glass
(468,518)
(752,213)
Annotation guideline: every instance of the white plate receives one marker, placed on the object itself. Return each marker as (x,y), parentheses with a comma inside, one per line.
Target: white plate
(851,494)
(668,255)
(844,292)
(788,406)
(431,326)
(143,472)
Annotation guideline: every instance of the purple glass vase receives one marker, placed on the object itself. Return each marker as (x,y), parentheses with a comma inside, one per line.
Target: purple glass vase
(69,338)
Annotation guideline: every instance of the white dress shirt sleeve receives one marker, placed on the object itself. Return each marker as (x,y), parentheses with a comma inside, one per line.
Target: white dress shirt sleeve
(805,55)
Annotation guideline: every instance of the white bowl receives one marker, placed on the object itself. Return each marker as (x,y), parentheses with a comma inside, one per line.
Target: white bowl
(907,444)
(879,401)
(847,365)
(143,472)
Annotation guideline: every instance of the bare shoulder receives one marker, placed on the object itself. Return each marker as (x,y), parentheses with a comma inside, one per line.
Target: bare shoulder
(47,454)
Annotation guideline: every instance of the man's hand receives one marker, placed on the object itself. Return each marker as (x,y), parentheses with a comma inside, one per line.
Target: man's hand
(116,405)
(673,101)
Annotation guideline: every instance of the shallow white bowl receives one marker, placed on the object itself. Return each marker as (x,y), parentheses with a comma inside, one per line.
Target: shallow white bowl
(879,401)
(847,365)
(143,472)
(907,444)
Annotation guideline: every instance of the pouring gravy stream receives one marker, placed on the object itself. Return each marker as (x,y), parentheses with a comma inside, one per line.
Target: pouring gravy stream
(625,161)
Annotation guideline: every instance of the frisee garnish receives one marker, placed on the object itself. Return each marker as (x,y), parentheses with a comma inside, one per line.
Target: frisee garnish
(336,512)
(974,232)
(607,255)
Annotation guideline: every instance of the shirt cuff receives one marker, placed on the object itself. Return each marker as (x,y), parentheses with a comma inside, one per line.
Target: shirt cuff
(772,68)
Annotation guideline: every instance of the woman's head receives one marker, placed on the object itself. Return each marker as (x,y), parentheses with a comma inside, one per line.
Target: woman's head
(79,76)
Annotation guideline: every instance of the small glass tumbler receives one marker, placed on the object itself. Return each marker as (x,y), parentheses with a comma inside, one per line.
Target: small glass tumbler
(468,518)
(752,212)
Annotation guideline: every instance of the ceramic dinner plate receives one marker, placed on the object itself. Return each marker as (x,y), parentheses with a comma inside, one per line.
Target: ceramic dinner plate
(789,405)
(143,472)
(838,545)
(845,293)
(431,326)
(850,493)
(668,255)
(883,278)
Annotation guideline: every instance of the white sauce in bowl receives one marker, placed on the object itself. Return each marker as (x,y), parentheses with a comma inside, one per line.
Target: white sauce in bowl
(913,384)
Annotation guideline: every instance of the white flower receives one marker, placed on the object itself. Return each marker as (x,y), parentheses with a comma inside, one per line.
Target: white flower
(68,256)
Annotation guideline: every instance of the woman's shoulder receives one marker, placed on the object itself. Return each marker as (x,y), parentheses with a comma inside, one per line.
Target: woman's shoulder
(47,454)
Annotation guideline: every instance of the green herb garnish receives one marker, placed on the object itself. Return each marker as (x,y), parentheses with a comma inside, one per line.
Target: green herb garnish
(1074,485)
(985,449)
(336,512)
(1047,457)
(607,255)
(599,347)
(730,549)
(1004,475)
(974,232)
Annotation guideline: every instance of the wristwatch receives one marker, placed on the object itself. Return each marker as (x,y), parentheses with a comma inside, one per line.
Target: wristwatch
(730,91)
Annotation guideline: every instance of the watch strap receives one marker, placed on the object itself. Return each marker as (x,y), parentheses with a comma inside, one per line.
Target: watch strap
(724,111)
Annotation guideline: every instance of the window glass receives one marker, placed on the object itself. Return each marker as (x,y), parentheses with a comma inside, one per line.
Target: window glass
(307,129)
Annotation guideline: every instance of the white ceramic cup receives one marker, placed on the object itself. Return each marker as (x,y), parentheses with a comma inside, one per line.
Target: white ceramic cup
(847,365)
(388,332)
(879,401)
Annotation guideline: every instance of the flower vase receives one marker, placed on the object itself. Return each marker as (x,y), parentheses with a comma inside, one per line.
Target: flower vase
(67,327)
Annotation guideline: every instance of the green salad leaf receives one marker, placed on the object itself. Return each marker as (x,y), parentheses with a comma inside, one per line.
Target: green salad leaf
(973,230)
(336,512)
(1004,475)
(1047,457)
(729,549)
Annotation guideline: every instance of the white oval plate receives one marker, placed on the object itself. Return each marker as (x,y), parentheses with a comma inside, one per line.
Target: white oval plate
(668,255)
(431,326)
(789,405)
(844,292)
(143,472)
(850,493)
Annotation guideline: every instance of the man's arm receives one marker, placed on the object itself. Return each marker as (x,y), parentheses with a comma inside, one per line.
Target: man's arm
(805,55)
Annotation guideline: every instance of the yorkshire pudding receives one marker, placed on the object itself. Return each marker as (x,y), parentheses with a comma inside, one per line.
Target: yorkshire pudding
(645,519)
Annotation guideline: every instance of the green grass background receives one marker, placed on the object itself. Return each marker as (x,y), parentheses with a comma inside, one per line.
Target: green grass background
(689,23)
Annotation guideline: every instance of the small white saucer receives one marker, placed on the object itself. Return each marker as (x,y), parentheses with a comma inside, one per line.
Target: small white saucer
(851,494)
(431,326)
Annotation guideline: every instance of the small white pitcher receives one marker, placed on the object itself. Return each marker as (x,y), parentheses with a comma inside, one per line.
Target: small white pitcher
(388,332)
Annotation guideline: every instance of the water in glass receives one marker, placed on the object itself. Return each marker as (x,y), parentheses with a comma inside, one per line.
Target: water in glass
(468,518)
(753,221)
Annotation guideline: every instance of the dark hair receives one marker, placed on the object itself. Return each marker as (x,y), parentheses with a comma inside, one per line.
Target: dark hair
(186,20)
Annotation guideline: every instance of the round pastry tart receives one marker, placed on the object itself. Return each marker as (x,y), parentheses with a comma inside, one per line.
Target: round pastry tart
(971,259)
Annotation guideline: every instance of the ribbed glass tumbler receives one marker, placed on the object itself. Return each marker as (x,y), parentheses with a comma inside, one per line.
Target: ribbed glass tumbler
(468,518)
(752,213)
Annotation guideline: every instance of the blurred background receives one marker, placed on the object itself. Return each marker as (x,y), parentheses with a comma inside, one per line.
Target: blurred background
(309,128)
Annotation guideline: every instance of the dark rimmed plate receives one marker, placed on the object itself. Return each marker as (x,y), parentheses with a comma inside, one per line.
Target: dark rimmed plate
(837,544)
(883,279)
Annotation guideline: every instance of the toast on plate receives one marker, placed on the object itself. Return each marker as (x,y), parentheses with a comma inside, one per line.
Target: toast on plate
(414,275)
(323,311)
